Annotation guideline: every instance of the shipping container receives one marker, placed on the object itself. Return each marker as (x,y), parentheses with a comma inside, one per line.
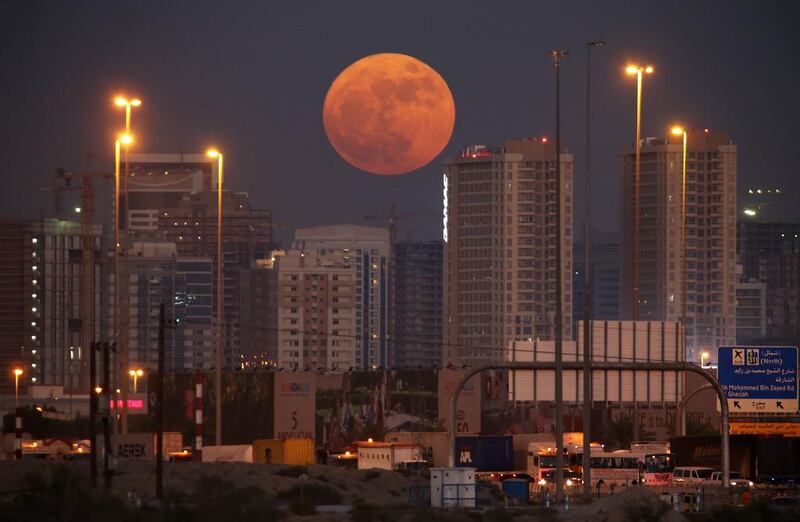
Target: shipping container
(435,443)
(388,455)
(295,452)
(229,453)
(489,453)
(751,455)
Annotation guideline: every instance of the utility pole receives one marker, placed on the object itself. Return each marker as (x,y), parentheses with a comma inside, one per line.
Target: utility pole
(87,268)
(107,395)
(160,405)
(587,290)
(93,413)
(556,55)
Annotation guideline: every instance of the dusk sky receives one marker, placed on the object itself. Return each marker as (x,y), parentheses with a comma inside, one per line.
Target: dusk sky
(251,78)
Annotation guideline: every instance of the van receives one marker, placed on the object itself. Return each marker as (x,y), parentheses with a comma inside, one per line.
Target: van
(690,475)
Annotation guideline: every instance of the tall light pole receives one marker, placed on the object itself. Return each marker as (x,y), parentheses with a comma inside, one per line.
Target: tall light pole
(556,56)
(639,71)
(680,131)
(126,139)
(124,327)
(214,153)
(17,375)
(587,300)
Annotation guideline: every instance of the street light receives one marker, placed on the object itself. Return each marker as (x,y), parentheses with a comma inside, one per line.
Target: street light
(639,71)
(556,56)
(122,331)
(17,375)
(135,374)
(214,153)
(587,302)
(680,131)
(703,357)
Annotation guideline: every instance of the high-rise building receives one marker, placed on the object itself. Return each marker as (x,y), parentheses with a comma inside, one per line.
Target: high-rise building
(41,291)
(173,198)
(184,285)
(367,250)
(316,310)
(19,316)
(770,253)
(604,278)
(710,235)
(500,248)
(751,312)
(258,303)
(418,304)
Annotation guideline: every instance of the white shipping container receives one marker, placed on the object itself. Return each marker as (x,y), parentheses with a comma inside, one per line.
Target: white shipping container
(383,455)
(229,453)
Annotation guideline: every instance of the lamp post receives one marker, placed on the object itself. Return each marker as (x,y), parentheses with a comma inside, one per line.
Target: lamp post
(556,56)
(17,417)
(135,374)
(17,375)
(214,153)
(639,71)
(587,304)
(680,131)
(123,328)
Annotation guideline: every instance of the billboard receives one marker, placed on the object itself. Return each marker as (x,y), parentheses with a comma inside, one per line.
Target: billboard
(295,402)
(133,446)
(784,429)
(612,341)
(360,404)
(759,378)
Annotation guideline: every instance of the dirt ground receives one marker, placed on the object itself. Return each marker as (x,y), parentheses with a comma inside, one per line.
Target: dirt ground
(387,490)
(137,478)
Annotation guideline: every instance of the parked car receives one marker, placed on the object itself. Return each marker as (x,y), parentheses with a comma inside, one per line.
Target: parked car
(690,475)
(785,502)
(736,480)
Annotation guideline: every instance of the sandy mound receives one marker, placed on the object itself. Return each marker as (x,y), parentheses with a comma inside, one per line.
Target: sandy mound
(629,505)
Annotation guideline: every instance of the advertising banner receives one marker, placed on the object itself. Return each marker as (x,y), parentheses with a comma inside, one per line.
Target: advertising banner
(295,403)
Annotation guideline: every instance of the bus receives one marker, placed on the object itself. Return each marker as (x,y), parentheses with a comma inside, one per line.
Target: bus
(615,469)
(657,469)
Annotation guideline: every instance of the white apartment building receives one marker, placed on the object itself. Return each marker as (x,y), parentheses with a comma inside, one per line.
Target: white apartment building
(500,248)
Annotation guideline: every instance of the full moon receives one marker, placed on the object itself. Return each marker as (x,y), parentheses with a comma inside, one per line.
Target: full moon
(389,114)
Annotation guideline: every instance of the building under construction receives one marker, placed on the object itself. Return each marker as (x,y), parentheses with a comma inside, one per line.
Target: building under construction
(42,287)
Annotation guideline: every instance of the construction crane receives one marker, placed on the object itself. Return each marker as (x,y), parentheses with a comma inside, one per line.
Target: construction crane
(393,217)
(61,181)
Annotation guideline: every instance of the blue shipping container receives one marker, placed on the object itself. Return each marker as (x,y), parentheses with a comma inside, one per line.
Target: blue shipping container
(494,453)
(517,488)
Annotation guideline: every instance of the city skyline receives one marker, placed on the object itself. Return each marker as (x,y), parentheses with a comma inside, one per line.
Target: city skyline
(237,110)
(366,246)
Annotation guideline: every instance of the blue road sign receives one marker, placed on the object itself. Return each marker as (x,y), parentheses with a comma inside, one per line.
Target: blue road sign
(759,378)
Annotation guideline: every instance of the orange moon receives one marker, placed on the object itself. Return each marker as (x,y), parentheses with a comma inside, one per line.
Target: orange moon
(389,114)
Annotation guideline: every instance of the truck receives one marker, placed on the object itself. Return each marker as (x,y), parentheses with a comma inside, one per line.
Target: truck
(390,455)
